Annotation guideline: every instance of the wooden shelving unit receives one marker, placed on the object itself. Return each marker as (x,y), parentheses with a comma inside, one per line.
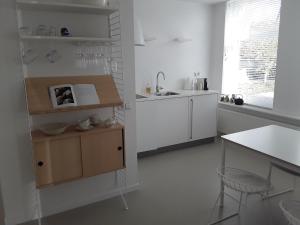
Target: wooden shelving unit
(39,101)
(74,155)
(64,7)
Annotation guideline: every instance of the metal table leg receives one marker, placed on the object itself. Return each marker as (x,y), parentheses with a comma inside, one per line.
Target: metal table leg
(222,194)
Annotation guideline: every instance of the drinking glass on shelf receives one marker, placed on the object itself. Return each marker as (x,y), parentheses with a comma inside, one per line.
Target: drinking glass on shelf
(103,3)
(25,31)
(106,65)
(42,30)
(53,56)
(29,56)
(114,66)
(52,31)
(81,59)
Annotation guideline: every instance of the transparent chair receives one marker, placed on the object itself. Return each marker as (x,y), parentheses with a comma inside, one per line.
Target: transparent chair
(291,211)
(244,182)
(290,171)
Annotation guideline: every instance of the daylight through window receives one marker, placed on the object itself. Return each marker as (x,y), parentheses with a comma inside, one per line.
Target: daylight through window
(250,54)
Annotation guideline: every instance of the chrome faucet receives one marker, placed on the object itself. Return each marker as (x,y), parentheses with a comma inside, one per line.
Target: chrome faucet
(158,88)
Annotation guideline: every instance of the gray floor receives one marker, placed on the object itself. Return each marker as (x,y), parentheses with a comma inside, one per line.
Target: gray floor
(180,187)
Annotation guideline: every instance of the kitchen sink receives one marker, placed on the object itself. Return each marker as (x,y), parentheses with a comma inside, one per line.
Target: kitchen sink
(169,93)
(140,96)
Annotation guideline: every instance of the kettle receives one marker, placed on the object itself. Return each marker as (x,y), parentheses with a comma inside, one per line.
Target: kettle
(239,100)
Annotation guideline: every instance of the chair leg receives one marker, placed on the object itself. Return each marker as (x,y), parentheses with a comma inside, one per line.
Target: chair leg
(246,200)
(240,202)
(270,173)
(226,217)
(294,182)
(267,195)
(213,209)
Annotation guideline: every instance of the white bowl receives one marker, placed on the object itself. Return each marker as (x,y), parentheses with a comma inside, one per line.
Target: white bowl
(53,129)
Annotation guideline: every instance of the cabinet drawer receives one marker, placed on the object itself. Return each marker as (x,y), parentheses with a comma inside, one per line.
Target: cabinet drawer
(57,160)
(102,152)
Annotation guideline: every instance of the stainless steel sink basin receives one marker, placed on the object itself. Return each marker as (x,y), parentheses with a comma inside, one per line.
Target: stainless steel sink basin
(140,96)
(169,93)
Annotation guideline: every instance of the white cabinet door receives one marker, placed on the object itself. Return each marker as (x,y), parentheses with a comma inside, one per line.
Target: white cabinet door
(204,116)
(172,121)
(146,126)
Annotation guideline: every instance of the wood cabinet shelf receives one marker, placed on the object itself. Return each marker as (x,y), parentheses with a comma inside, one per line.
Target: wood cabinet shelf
(75,155)
(39,102)
(64,7)
(38,136)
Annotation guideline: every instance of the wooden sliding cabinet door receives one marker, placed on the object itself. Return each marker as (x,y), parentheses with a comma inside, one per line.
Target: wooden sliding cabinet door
(102,152)
(42,162)
(58,160)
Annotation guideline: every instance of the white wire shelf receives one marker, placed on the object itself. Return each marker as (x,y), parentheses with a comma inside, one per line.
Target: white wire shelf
(64,7)
(66,39)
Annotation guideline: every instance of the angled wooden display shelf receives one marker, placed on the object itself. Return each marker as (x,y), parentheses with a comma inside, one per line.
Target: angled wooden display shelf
(39,101)
(64,7)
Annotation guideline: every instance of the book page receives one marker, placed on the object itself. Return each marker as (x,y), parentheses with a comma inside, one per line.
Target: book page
(86,94)
(62,96)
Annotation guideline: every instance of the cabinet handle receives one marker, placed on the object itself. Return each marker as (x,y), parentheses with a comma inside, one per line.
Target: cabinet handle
(192,109)
(40,163)
(120,148)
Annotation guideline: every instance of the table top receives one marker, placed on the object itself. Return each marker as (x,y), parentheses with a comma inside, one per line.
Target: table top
(275,141)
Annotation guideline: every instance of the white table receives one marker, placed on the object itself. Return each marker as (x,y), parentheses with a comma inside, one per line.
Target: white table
(278,144)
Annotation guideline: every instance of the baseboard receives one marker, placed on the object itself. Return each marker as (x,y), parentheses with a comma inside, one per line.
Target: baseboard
(97,198)
(15,220)
(176,147)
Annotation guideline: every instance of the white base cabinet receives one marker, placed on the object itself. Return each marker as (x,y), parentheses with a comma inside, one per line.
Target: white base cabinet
(146,130)
(203,113)
(171,121)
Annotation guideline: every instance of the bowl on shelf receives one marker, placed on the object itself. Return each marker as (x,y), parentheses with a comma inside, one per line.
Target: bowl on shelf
(109,123)
(96,120)
(53,129)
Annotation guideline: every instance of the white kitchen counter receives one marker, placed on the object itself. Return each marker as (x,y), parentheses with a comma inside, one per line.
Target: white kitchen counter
(182,94)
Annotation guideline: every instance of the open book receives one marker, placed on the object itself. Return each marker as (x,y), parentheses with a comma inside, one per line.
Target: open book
(66,95)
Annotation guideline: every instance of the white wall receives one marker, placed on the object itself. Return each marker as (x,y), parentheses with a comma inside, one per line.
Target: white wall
(15,152)
(217,45)
(2,222)
(231,122)
(286,99)
(288,77)
(16,171)
(166,20)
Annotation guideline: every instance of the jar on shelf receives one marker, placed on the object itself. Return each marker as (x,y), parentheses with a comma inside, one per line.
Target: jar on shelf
(101,3)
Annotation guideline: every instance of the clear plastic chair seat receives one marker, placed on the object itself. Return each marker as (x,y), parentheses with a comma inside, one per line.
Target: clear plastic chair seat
(244,181)
(291,210)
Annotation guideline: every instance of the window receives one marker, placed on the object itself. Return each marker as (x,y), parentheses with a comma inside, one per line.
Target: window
(250,54)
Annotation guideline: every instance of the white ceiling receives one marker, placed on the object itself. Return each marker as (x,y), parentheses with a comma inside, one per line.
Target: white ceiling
(205,1)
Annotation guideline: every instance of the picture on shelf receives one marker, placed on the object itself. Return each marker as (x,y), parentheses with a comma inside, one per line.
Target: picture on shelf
(67,95)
